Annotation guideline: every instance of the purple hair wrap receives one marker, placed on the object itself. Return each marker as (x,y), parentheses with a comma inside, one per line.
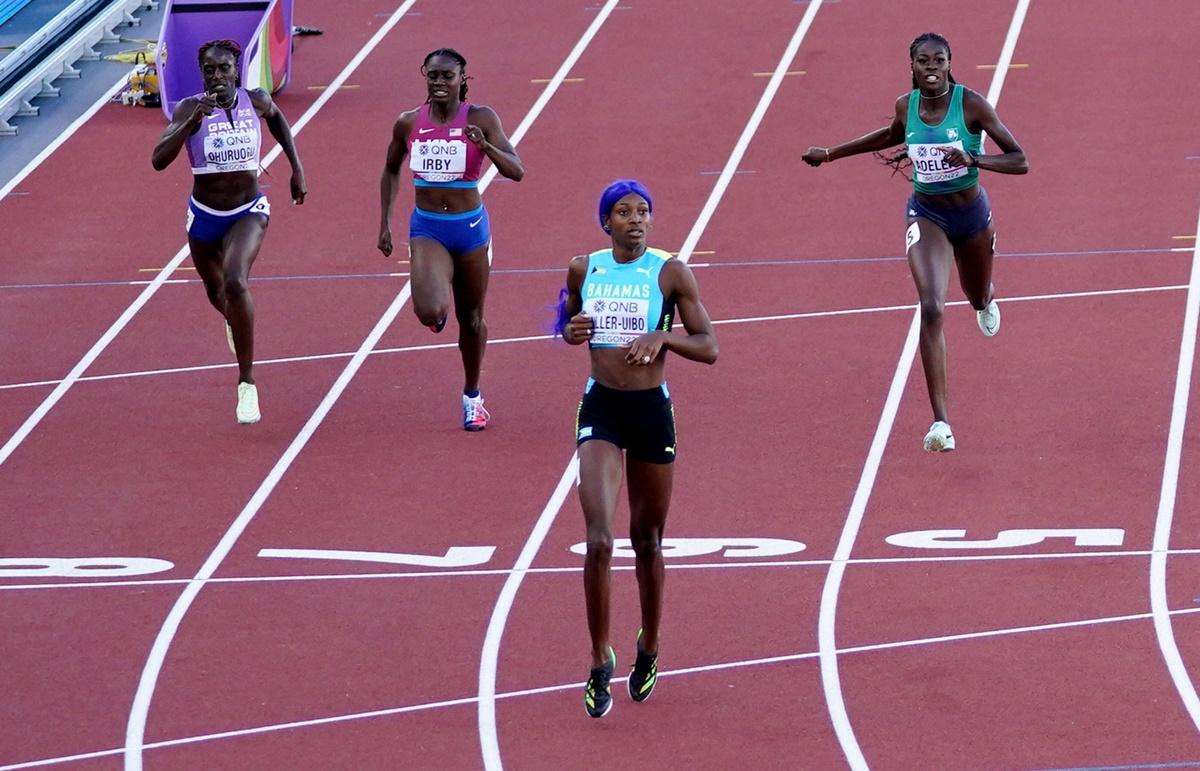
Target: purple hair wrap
(618,190)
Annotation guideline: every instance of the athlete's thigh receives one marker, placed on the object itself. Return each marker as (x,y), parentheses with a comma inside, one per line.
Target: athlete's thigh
(242,243)
(599,482)
(431,269)
(974,258)
(209,261)
(471,271)
(650,486)
(929,256)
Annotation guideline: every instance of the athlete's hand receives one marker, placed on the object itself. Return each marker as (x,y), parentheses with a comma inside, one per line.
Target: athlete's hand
(578,329)
(955,157)
(476,135)
(205,105)
(299,186)
(645,349)
(385,242)
(815,156)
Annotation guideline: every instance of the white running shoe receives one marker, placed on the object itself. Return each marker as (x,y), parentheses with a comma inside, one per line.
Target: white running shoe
(940,438)
(229,338)
(989,319)
(475,417)
(247,406)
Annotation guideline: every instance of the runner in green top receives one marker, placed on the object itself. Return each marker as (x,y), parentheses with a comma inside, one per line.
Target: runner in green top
(941,124)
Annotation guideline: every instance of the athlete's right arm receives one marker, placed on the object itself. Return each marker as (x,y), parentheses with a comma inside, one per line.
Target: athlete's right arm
(389,181)
(579,328)
(880,139)
(187,116)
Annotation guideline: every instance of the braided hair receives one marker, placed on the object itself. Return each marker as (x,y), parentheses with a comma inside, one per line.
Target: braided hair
(898,159)
(462,66)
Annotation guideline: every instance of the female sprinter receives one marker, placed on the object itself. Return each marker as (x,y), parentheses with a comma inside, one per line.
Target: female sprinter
(621,302)
(227,216)
(941,124)
(445,141)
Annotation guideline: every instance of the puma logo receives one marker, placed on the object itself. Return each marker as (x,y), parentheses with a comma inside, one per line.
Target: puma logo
(642,270)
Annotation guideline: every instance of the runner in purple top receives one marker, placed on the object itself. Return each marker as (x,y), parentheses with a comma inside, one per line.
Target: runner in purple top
(227,215)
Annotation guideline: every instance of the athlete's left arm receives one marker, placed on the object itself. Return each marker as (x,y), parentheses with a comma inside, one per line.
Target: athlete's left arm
(484,129)
(979,115)
(700,342)
(265,106)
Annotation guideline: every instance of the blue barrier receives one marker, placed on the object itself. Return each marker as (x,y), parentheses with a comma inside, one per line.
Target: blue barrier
(9,8)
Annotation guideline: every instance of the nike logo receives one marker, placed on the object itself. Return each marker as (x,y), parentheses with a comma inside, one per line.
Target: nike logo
(910,134)
(476,222)
(426,131)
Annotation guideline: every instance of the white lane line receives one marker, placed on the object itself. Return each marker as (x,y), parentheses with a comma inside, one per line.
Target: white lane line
(827,615)
(1166,500)
(66,134)
(447,703)
(94,352)
(489,742)
(136,727)
(458,573)
(531,338)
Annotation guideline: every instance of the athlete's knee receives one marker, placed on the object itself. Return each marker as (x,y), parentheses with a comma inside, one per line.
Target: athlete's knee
(646,541)
(431,315)
(471,321)
(599,545)
(932,309)
(235,287)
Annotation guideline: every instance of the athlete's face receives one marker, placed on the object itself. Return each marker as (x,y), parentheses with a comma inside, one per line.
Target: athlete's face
(931,67)
(629,221)
(443,77)
(219,70)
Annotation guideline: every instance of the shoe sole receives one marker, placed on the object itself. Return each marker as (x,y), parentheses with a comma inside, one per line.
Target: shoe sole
(995,329)
(940,446)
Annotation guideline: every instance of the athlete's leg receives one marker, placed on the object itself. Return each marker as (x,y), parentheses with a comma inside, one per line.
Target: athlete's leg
(432,270)
(470,283)
(974,257)
(929,255)
(207,258)
(599,485)
(241,246)
(649,498)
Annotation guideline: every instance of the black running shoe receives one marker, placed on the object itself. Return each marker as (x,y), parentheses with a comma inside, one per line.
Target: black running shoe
(597,695)
(644,673)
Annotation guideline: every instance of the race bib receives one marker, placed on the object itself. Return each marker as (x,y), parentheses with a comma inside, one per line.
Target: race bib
(231,151)
(439,160)
(618,321)
(929,166)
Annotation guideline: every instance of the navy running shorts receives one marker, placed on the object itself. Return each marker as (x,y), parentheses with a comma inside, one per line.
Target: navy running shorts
(959,223)
(639,422)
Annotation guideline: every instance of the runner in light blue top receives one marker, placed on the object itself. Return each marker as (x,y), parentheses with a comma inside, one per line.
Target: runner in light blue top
(941,125)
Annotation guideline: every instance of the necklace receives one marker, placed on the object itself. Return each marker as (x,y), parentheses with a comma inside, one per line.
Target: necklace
(937,96)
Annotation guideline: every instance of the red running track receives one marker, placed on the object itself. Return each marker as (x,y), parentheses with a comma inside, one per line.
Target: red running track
(1037,656)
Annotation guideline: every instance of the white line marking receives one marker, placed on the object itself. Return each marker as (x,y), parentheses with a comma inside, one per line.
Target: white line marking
(489,743)
(48,403)
(445,703)
(135,730)
(63,137)
(1166,501)
(826,624)
(723,565)
(530,338)
(136,727)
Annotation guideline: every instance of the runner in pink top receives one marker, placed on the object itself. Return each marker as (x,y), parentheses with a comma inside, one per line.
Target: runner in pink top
(445,141)
(227,216)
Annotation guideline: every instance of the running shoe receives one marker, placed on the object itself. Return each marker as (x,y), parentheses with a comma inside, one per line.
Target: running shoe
(597,695)
(939,438)
(475,417)
(989,319)
(247,406)
(229,338)
(644,673)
